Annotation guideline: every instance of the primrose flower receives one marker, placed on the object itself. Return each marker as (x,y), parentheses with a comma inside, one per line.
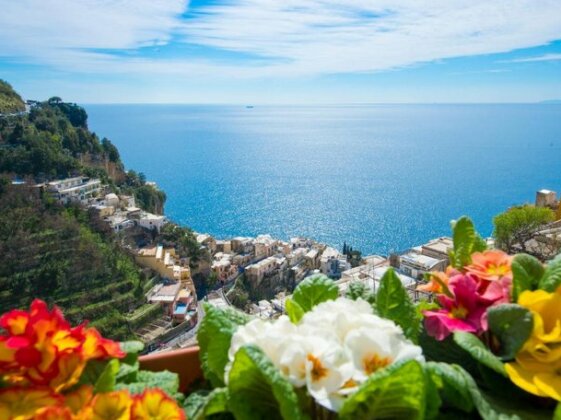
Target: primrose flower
(40,347)
(333,348)
(154,404)
(24,403)
(462,312)
(537,366)
(372,352)
(490,265)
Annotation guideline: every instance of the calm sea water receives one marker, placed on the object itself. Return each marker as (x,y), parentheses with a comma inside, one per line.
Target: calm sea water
(381,177)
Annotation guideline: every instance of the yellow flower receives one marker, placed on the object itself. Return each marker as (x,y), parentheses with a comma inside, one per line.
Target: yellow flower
(23,403)
(111,406)
(154,404)
(537,367)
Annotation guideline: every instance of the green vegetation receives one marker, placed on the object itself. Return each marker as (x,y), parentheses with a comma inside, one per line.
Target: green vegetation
(185,243)
(516,226)
(66,255)
(51,252)
(10,101)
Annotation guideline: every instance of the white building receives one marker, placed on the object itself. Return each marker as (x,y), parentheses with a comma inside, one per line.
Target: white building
(74,190)
(151,221)
(333,263)
(416,265)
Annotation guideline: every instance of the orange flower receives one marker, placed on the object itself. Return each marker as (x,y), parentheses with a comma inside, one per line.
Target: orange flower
(437,279)
(24,403)
(41,348)
(490,265)
(53,413)
(109,406)
(154,404)
(79,398)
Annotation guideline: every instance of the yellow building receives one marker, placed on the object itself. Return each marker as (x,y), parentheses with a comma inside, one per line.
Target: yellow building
(164,262)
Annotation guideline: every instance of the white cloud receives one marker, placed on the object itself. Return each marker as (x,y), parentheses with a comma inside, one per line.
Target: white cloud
(545,57)
(287,38)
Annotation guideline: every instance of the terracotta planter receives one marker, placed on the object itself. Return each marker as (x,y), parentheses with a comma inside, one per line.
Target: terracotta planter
(184,362)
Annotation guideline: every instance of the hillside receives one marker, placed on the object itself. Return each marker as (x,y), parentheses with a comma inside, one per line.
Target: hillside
(10,101)
(67,255)
(53,141)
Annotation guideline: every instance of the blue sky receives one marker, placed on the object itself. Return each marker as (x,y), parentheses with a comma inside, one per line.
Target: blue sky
(289,51)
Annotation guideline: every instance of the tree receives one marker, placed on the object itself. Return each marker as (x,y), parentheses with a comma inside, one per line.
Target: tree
(54,100)
(518,225)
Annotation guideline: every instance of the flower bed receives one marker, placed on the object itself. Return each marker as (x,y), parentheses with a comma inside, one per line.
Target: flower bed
(489,347)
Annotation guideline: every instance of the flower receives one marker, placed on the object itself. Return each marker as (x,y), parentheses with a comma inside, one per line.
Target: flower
(109,406)
(462,312)
(154,404)
(437,279)
(40,347)
(537,366)
(333,348)
(18,403)
(372,352)
(490,265)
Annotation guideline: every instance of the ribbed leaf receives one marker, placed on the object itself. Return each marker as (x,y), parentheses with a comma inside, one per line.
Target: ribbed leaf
(314,290)
(257,390)
(527,272)
(294,311)
(214,336)
(552,275)
(512,324)
(473,345)
(393,302)
(452,385)
(397,392)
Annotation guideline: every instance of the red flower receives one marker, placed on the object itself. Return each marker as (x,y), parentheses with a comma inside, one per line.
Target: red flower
(40,347)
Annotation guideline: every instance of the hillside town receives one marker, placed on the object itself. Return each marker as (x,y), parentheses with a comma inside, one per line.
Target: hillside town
(272,266)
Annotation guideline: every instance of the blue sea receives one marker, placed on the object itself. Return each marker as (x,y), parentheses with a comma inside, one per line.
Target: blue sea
(381,178)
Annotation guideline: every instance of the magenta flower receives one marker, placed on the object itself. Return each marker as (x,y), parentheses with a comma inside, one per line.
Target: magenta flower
(463,311)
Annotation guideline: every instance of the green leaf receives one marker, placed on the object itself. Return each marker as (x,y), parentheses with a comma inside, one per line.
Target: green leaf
(478,351)
(486,410)
(203,404)
(512,324)
(526,272)
(258,390)
(314,290)
(92,372)
(557,413)
(108,378)
(552,276)
(393,302)
(165,380)
(446,351)
(452,385)
(128,372)
(466,241)
(214,336)
(396,392)
(294,311)
(132,346)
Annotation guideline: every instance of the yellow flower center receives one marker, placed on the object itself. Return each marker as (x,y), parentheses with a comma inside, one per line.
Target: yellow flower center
(318,370)
(374,362)
(459,312)
(497,270)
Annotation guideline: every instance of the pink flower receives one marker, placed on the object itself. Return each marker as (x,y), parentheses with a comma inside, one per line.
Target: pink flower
(463,312)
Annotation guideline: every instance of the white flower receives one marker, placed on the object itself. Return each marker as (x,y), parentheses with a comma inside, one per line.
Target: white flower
(328,369)
(335,347)
(372,349)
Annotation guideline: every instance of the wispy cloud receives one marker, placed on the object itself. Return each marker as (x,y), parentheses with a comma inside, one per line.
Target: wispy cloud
(545,57)
(286,38)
